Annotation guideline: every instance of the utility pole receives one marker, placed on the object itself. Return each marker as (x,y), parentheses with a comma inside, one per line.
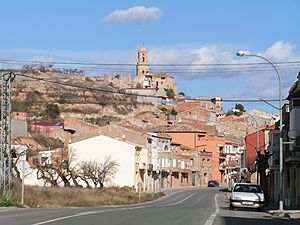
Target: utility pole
(5,148)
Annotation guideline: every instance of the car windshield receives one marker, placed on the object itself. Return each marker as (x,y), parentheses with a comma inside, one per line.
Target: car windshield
(247,188)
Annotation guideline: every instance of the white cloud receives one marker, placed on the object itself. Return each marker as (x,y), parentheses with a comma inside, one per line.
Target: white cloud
(256,83)
(280,51)
(201,59)
(137,14)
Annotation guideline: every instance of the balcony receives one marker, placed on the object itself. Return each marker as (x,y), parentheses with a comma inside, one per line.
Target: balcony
(140,166)
(222,168)
(222,155)
(150,167)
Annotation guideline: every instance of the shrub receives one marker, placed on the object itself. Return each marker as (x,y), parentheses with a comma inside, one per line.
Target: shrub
(6,203)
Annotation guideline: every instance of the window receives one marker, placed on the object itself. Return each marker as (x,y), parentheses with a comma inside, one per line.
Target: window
(44,159)
(247,188)
(166,148)
(174,162)
(143,59)
(179,163)
(35,161)
(188,165)
(162,162)
(208,162)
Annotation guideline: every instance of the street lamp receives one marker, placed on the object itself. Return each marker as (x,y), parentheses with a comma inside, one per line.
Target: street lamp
(257,138)
(246,53)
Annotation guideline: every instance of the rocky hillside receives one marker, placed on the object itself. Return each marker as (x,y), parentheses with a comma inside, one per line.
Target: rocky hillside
(76,96)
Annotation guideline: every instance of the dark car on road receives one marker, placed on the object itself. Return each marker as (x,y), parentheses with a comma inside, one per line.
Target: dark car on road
(213,183)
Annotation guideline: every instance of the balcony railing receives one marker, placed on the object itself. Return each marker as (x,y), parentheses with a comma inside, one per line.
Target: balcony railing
(222,168)
(222,155)
(140,166)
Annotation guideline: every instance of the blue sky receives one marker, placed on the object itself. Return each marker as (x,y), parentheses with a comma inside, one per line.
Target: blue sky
(174,32)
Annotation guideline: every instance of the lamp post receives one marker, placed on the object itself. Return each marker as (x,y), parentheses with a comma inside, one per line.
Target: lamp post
(257,137)
(246,53)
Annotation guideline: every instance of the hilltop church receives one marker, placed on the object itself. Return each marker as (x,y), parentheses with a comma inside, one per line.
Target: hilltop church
(145,79)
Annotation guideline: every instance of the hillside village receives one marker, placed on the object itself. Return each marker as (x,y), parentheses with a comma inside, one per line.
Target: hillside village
(152,137)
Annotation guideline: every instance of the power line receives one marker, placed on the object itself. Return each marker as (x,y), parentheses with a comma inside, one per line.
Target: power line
(134,94)
(192,69)
(89,88)
(133,64)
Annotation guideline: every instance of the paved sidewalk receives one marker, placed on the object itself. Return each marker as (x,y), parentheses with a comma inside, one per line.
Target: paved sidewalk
(293,214)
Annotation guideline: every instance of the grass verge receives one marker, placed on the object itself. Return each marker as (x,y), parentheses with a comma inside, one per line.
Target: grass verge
(49,197)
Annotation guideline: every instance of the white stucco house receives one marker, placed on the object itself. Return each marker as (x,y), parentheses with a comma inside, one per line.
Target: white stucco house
(99,147)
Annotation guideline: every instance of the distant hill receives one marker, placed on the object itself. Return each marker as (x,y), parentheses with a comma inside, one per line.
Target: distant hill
(76,96)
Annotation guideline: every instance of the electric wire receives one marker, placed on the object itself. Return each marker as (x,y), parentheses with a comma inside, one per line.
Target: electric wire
(193,69)
(134,94)
(133,64)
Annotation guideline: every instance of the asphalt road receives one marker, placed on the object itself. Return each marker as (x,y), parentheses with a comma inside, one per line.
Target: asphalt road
(205,206)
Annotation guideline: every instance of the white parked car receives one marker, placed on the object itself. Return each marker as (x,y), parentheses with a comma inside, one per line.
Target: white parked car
(246,195)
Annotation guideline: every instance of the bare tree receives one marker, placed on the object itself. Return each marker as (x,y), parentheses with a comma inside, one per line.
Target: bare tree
(56,172)
(107,170)
(17,151)
(92,173)
(263,165)
(48,174)
(98,173)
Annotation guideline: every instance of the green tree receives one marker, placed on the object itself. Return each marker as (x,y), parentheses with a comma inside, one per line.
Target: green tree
(239,107)
(52,111)
(181,94)
(170,93)
(33,98)
(173,112)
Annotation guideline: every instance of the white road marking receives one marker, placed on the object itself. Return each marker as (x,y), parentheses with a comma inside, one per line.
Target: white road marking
(180,201)
(210,220)
(86,213)
(105,210)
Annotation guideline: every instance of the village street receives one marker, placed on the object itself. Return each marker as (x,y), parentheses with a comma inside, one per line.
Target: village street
(184,207)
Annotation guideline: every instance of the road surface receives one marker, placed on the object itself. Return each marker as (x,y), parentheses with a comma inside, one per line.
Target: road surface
(203,206)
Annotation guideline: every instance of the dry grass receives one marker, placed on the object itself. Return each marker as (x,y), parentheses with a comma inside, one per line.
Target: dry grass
(78,197)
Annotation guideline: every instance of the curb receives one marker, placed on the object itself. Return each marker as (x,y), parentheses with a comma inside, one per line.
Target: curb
(287,214)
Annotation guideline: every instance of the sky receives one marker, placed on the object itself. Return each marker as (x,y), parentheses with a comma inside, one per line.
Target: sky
(195,41)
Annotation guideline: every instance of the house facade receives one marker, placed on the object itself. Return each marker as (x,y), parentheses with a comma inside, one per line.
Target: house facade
(99,148)
(291,147)
(202,143)
(291,152)
(159,152)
